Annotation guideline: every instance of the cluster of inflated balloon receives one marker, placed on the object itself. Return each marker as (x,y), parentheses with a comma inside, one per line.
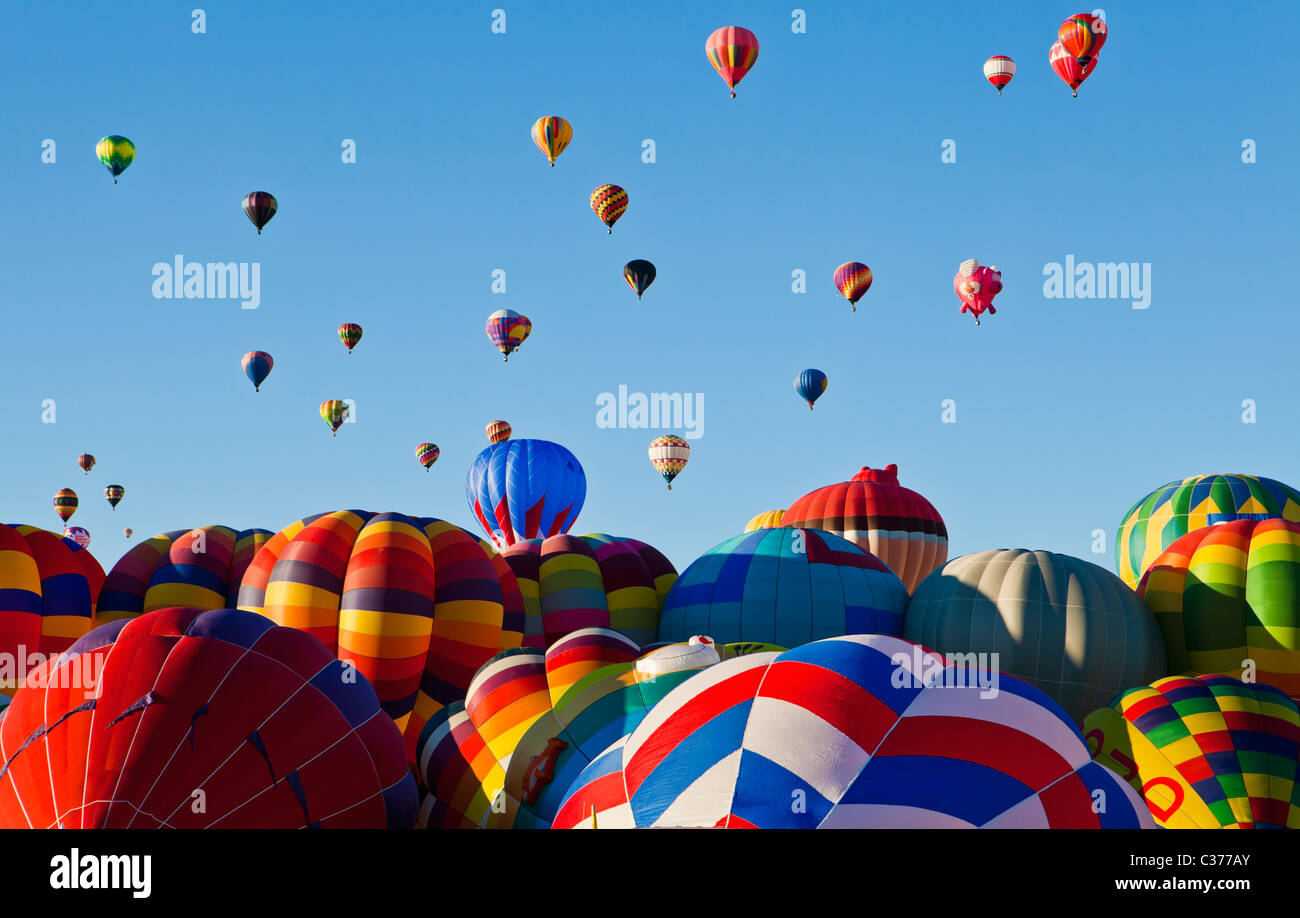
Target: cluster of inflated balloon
(1073,56)
(66,500)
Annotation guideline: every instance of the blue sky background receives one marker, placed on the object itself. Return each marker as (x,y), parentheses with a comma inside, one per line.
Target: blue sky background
(1068,410)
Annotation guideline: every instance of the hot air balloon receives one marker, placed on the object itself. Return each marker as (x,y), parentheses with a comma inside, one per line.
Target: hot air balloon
(977,286)
(116,153)
(732,51)
(114,495)
(49,587)
(810,384)
(639,274)
(853,279)
(864,731)
(609,202)
(79,535)
(86,462)
(998,70)
(1206,753)
(877,514)
(260,207)
(1225,597)
(200,568)
(507,329)
(525,489)
(1177,508)
(783,586)
(349,334)
(552,134)
(769,519)
(428,454)
(590,581)
(1069,627)
(257,366)
(1082,36)
(1068,69)
(497,431)
(276,732)
(127,533)
(669,456)
(334,412)
(65,503)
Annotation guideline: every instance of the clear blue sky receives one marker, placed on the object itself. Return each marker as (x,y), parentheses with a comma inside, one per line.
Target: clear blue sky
(1068,410)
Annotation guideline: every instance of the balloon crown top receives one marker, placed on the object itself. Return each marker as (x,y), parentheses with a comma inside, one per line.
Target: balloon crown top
(888,475)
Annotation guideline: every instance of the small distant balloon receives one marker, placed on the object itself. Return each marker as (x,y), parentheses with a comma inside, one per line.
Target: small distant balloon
(257,366)
(86,461)
(669,456)
(78,535)
(498,431)
(127,532)
(428,454)
(334,412)
(999,70)
(349,334)
(552,134)
(609,203)
(853,279)
(507,329)
(116,153)
(810,384)
(65,503)
(114,494)
(732,51)
(639,275)
(260,207)
(977,286)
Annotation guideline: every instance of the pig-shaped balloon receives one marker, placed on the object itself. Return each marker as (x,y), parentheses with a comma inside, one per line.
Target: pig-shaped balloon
(977,286)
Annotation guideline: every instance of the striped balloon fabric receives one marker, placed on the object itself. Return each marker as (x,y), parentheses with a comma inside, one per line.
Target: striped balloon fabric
(1227,596)
(1173,510)
(877,514)
(768,519)
(507,330)
(1207,753)
(575,582)
(999,70)
(862,731)
(669,455)
(552,134)
(609,203)
(260,207)
(732,51)
(497,431)
(853,280)
(783,586)
(525,489)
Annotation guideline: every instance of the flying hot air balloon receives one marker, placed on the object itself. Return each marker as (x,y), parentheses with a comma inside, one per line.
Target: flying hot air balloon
(732,51)
(669,456)
(853,279)
(334,412)
(1082,36)
(639,274)
(508,329)
(114,494)
(127,533)
(116,153)
(86,461)
(1068,69)
(552,134)
(810,384)
(977,286)
(498,431)
(65,503)
(260,207)
(998,70)
(257,366)
(428,454)
(349,334)
(609,203)
(525,489)
(79,535)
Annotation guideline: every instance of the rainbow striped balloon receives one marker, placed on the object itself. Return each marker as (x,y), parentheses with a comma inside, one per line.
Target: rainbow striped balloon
(65,503)
(552,134)
(609,203)
(497,431)
(427,454)
(732,51)
(350,334)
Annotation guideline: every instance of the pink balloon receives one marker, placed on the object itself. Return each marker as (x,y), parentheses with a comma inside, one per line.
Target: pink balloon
(977,285)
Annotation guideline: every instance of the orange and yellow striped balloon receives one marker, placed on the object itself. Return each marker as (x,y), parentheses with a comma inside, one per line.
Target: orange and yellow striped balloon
(609,202)
(552,134)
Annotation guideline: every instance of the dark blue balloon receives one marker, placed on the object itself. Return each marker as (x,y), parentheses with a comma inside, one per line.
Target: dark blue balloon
(810,384)
(257,366)
(525,489)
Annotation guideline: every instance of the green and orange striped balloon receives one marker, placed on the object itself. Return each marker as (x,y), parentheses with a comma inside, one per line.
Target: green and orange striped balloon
(349,334)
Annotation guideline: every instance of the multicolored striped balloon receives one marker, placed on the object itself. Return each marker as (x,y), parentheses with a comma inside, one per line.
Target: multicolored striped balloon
(260,207)
(115,152)
(1227,598)
(877,514)
(768,519)
(334,412)
(1082,37)
(810,384)
(552,134)
(639,274)
(525,489)
(609,203)
(998,70)
(1069,627)
(732,51)
(574,582)
(427,454)
(507,330)
(275,732)
(497,431)
(669,456)
(1175,509)
(861,731)
(114,494)
(783,586)
(853,279)
(350,334)
(86,462)
(257,366)
(1206,753)
(65,503)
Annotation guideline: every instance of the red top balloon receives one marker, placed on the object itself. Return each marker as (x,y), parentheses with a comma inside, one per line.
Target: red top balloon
(1082,36)
(732,51)
(977,286)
